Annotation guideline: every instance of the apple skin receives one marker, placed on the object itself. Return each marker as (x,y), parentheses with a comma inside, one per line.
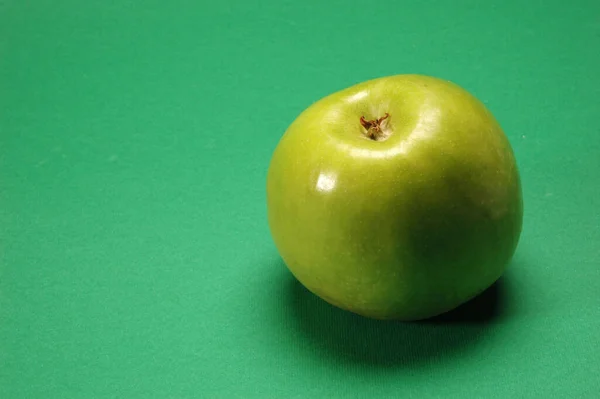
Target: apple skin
(405,227)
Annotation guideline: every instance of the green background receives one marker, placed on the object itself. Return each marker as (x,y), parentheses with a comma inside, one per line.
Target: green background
(136,261)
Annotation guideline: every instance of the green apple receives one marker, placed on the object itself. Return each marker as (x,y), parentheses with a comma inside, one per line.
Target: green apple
(396,198)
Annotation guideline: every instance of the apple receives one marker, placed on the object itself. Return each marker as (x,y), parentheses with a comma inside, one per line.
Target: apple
(396,198)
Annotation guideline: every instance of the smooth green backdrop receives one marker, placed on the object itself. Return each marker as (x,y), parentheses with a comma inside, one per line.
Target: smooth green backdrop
(135,257)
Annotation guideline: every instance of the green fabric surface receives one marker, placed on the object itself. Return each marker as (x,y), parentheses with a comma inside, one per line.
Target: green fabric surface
(135,257)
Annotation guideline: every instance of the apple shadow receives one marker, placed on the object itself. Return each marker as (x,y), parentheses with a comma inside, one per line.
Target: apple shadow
(353,338)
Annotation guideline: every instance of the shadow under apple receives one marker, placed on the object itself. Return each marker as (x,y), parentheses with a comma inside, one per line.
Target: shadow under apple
(349,337)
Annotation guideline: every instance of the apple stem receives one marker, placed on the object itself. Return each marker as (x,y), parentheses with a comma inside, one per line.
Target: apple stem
(373,127)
